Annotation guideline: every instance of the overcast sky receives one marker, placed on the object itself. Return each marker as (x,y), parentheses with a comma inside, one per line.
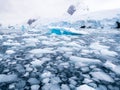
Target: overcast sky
(16,11)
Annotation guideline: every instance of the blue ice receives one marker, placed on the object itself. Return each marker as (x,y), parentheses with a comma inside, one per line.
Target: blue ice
(59,31)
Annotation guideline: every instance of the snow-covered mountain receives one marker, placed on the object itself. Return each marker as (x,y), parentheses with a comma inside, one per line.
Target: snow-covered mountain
(100,19)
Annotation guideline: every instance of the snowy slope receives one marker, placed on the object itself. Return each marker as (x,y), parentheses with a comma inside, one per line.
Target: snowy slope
(98,15)
(99,19)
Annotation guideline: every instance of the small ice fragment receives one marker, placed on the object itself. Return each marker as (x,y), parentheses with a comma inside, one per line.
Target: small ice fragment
(85,87)
(35,87)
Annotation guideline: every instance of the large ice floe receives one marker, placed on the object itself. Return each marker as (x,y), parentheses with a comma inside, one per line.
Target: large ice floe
(60,58)
(65,31)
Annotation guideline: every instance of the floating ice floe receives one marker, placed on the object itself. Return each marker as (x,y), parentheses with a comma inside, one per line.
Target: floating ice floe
(83,32)
(108,52)
(31,40)
(8,78)
(103,49)
(33,81)
(86,80)
(66,31)
(1,37)
(102,76)
(11,44)
(85,87)
(98,46)
(10,52)
(46,80)
(73,44)
(65,49)
(46,74)
(55,80)
(51,87)
(11,86)
(30,44)
(65,87)
(78,60)
(41,51)
(37,63)
(112,67)
(35,87)
(102,87)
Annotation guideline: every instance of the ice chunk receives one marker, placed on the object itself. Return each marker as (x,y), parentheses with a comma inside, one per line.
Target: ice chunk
(37,63)
(8,78)
(109,53)
(66,49)
(111,87)
(84,60)
(73,44)
(65,87)
(47,42)
(12,86)
(20,84)
(85,87)
(92,84)
(46,80)
(42,37)
(85,51)
(10,52)
(55,80)
(11,44)
(41,51)
(103,49)
(33,81)
(98,46)
(64,31)
(102,76)
(102,87)
(35,87)
(112,67)
(72,81)
(85,69)
(87,80)
(29,40)
(29,69)
(51,87)
(78,31)
(30,44)
(20,68)
(65,64)
(1,37)
(46,74)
